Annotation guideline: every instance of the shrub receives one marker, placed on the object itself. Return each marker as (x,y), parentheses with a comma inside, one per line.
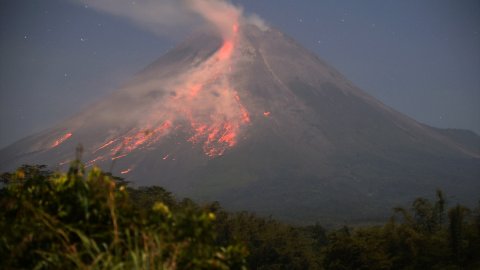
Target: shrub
(88,221)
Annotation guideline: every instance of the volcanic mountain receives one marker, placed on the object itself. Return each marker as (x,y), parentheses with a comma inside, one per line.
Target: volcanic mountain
(259,123)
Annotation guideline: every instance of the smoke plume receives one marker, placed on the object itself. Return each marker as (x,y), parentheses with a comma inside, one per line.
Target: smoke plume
(166,17)
(200,100)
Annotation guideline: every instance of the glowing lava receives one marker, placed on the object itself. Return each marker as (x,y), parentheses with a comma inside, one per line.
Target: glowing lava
(194,89)
(226,50)
(244,112)
(92,162)
(120,156)
(64,162)
(138,138)
(126,171)
(61,140)
(104,145)
(219,130)
(204,106)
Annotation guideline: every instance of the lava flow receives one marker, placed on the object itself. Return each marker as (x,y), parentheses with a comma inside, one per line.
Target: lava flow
(204,105)
(219,131)
(126,171)
(61,140)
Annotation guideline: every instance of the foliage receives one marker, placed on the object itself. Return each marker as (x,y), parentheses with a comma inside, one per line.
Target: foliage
(95,221)
(423,239)
(89,221)
(271,244)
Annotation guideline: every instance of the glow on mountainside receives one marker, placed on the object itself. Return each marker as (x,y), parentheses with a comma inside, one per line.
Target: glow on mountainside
(205,106)
(61,140)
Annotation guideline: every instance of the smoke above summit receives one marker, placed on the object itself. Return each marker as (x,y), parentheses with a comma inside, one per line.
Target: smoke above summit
(252,119)
(166,17)
(197,98)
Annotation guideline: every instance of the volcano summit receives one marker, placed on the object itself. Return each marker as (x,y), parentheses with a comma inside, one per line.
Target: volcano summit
(258,123)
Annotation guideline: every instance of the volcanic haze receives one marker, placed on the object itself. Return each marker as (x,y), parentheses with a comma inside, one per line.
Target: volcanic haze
(257,122)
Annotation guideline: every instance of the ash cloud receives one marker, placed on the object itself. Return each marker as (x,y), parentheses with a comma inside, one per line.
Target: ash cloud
(166,17)
(205,101)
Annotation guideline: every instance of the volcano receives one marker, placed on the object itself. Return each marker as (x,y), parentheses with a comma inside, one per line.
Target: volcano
(259,123)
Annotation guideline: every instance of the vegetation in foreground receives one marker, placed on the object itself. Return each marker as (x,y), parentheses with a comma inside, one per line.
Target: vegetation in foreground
(79,220)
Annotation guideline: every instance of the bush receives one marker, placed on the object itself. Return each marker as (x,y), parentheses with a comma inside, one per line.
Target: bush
(94,221)
(88,221)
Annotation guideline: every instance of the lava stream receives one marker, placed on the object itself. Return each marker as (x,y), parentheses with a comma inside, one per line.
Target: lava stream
(126,171)
(204,98)
(61,140)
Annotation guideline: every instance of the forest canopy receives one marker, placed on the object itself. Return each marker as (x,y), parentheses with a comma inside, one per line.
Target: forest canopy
(93,220)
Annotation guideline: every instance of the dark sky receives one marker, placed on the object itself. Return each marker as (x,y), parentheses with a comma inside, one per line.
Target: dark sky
(420,57)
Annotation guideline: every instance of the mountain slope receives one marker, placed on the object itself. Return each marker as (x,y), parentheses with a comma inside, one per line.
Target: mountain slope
(260,124)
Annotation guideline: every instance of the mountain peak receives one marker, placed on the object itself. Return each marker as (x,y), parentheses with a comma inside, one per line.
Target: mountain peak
(259,123)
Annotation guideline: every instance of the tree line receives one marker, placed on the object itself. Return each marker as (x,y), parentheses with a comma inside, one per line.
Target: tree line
(93,220)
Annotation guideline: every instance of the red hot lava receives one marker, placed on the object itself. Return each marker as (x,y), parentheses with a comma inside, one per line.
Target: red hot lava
(61,140)
(226,50)
(220,130)
(205,98)
(126,171)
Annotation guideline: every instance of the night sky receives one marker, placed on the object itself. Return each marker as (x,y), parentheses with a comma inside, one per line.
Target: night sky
(420,57)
